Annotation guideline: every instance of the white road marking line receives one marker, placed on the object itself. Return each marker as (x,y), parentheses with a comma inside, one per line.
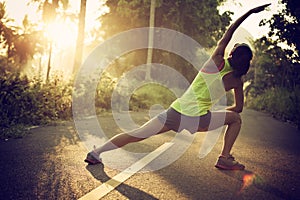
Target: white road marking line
(114,182)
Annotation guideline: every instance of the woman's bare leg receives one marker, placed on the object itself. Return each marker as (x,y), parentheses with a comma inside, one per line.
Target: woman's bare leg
(233,120)
(152,127)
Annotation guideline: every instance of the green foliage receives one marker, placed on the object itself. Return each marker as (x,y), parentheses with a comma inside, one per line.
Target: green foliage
(91,90)
(107,94)
(280,102)
(104,92)
(274,81)
(199,19)
(6,32)
(16,131)
(149,95)
(275,78)
(285,25)
(271,67)
(19,45)
(29,102)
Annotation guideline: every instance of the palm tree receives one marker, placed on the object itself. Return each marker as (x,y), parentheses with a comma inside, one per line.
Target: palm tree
(19,47)
(6,33)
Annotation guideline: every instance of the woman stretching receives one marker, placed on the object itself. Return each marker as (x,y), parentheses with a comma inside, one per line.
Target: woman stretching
(192,110)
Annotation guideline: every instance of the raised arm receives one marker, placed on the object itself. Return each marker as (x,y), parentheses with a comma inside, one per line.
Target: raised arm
(219,52)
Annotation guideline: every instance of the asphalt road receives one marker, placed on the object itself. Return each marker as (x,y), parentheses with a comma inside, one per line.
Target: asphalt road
(48,164)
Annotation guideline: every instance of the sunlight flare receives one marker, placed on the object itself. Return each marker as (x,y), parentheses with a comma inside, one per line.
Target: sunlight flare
(62,33)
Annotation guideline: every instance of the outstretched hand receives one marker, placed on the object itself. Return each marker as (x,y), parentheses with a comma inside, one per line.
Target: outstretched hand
(259,8)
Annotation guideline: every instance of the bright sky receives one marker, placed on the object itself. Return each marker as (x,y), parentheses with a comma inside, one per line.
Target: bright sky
(18,9)
(62,33)
(251,24)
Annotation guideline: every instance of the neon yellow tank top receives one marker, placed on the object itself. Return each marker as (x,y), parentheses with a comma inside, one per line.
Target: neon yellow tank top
(206,89)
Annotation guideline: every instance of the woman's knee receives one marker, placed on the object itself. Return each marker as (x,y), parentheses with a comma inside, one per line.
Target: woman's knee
(234,117)
(129,137)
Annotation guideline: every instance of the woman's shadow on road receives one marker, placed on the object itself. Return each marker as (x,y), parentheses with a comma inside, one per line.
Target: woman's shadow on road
(130,192)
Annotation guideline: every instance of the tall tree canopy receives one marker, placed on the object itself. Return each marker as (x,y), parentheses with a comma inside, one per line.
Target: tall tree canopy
(198,19)
(6,32)
(286,25)
(18,44)
(275,78)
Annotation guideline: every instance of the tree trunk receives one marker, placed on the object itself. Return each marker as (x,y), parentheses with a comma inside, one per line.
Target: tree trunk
(80,37)
(49,62)
(150,40)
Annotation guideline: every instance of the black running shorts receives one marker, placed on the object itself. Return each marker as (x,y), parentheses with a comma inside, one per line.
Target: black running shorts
(177,121)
